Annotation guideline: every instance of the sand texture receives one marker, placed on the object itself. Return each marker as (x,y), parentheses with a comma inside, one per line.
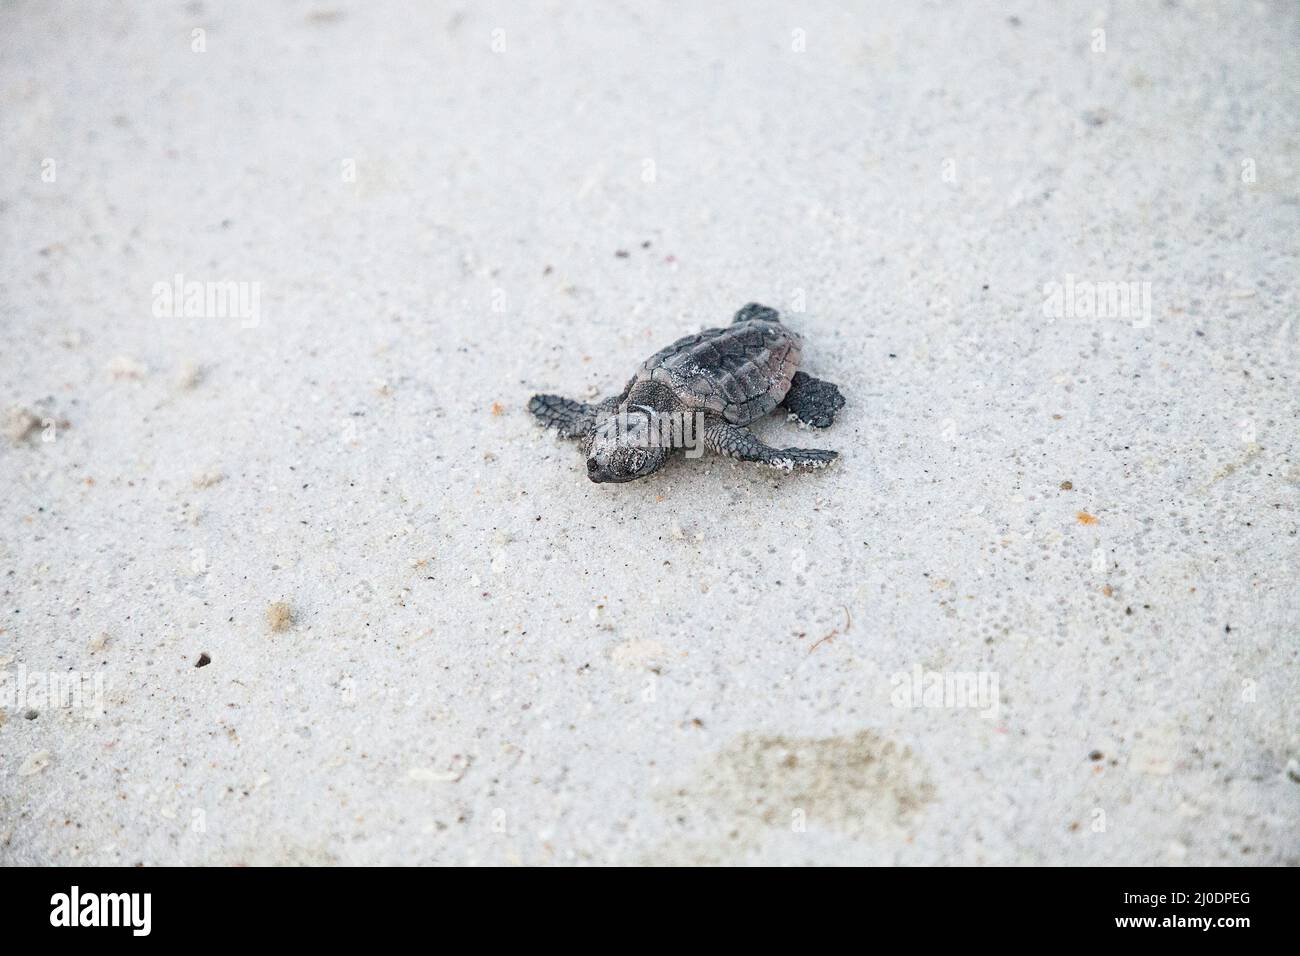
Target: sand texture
(328,593)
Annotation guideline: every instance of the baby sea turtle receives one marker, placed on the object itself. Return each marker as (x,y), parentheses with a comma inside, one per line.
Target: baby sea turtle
(701,390)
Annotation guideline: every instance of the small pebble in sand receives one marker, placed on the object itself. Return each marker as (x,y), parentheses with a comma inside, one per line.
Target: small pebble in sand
(279,617)
(97,644)
(189,376)
(203,661)
(427,775)
(1084,518)
(207,479)
(35,763)
(637,652)
(1067,486)
(456,769)
(19,423)
(123,366)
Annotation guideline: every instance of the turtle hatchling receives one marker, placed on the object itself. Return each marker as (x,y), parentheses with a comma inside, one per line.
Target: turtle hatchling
(701,392)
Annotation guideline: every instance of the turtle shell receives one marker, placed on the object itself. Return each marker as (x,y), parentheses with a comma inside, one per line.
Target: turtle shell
(740,372)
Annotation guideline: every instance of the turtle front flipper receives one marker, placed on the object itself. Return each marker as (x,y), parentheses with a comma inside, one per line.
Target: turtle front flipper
(740,443)
(571,418)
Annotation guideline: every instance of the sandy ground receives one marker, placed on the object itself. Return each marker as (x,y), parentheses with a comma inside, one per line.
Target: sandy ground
(435,210)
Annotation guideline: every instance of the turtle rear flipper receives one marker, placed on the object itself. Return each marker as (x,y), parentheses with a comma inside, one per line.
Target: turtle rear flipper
(741,444)
(813,401)
(762,313)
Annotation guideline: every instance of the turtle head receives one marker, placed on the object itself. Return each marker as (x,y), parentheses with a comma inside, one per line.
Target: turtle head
(623,447)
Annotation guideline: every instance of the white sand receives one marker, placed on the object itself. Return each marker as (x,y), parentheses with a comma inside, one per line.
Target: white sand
(491,659)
